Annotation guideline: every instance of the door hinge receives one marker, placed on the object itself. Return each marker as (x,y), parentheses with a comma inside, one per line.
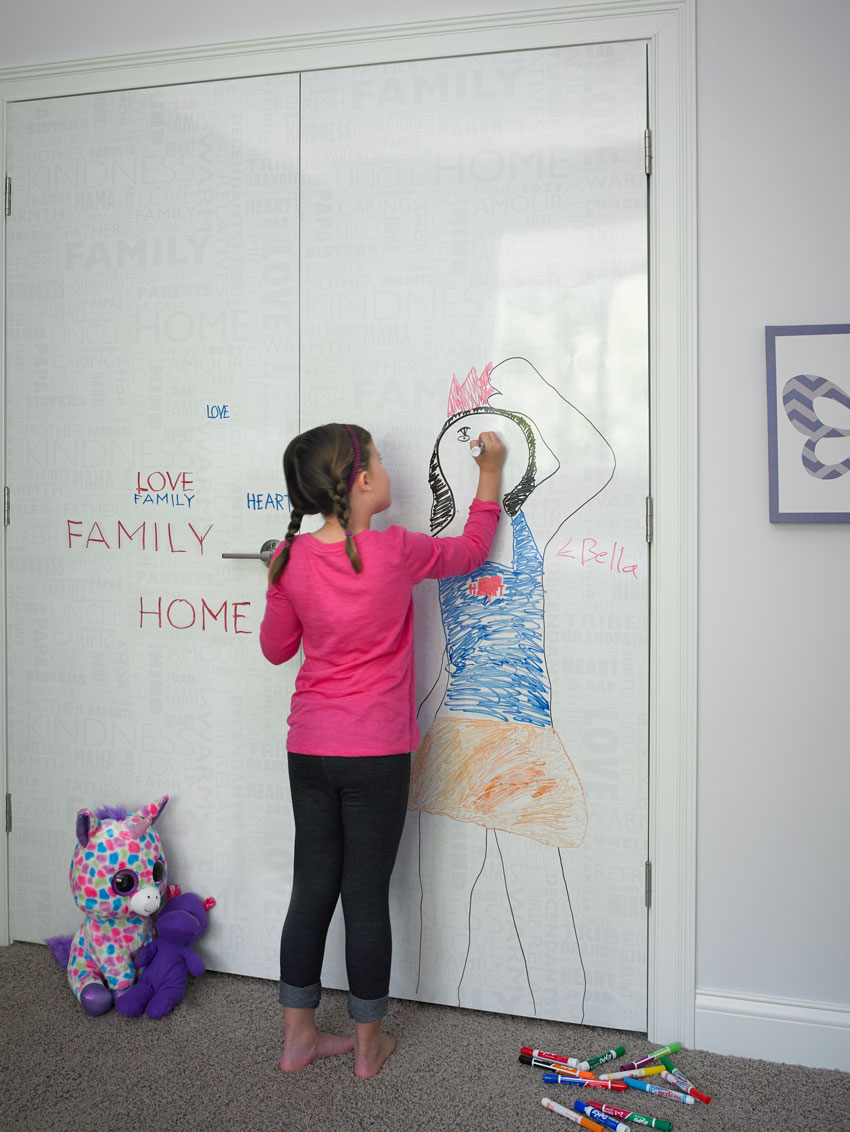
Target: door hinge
(8,196)
(648,883)
(7,506)
(650,519)
(647,152)
(8,813)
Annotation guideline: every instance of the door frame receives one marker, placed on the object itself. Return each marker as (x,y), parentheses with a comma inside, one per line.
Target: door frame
(668,28)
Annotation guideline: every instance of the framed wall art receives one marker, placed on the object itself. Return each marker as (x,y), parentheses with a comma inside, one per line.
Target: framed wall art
(808,418)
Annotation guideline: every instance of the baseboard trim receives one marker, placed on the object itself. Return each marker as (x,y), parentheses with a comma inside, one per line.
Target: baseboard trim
(815,1034)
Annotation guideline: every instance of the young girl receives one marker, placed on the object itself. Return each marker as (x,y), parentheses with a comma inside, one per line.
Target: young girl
(344,593)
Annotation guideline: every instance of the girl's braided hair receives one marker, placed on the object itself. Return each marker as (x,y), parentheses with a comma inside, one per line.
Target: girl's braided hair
(320,467)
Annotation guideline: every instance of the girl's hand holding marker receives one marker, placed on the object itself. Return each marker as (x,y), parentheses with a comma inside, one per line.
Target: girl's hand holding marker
(489,454)
(491,441)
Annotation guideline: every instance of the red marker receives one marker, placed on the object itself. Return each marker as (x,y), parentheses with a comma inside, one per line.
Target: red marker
(558,1066)
(572,1062)
(684,1084)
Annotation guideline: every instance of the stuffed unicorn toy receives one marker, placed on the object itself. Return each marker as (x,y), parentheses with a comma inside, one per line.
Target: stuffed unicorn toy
(118,878)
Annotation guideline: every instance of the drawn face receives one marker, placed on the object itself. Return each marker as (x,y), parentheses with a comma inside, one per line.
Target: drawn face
(458,464)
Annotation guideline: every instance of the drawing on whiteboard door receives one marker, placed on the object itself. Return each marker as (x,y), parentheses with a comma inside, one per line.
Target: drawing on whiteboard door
(798,399)
(491,755)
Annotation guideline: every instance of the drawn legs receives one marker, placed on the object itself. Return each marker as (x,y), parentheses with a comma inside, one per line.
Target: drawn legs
(480,936)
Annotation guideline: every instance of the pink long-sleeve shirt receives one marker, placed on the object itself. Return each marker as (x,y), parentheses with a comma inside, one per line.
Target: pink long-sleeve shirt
(355,692)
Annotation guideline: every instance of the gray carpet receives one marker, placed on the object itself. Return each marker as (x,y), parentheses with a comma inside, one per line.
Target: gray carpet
(212,1066)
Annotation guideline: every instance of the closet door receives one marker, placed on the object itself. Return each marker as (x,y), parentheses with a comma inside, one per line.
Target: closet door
(152,381)
(474,251)
(195,273)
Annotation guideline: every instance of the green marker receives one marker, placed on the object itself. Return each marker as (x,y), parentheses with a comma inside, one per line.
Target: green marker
(603,1057)
(649,1121)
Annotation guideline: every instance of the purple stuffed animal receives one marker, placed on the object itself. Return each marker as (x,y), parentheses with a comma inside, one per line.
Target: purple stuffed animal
(165,962)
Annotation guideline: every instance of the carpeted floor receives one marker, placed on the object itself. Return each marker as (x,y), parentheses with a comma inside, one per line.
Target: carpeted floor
(212,1066)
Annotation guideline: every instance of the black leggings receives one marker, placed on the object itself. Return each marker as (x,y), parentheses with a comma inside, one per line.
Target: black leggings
(349,817)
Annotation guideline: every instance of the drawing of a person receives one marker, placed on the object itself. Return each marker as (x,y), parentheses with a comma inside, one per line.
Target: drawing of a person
(491,755)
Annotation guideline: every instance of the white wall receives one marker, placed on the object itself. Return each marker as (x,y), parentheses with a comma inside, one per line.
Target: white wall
(44,31)
(774,247)
(773,89)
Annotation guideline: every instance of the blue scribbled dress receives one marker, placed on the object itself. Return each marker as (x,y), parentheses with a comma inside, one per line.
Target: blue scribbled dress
(491,755)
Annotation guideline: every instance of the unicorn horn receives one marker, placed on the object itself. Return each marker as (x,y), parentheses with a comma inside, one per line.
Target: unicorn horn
(139,823)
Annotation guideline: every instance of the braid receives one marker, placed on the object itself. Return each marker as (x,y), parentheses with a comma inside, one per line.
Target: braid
(278,564)
(342,507)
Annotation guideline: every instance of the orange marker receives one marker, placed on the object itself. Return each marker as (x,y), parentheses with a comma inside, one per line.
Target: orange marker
(590,1125)
(559,1067)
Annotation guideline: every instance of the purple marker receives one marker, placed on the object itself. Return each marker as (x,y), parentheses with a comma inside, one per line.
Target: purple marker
(674,1047)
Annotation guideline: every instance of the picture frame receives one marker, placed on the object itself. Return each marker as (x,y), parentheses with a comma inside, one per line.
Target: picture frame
(808,422)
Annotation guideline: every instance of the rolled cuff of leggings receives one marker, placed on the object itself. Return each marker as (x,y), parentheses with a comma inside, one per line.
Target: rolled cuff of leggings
(302,998)
(367,1009)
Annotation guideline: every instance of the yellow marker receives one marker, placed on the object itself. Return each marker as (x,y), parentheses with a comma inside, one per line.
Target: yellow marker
(650,1071)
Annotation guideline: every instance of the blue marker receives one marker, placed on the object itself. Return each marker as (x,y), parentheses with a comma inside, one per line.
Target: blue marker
(565,1079)
(633,1083)
(601,1117)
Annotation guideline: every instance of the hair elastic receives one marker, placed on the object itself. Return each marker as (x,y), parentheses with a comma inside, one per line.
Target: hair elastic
(355,467)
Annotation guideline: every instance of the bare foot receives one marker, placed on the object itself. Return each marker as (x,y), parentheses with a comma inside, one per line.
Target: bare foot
(298,1053)
(370,1055)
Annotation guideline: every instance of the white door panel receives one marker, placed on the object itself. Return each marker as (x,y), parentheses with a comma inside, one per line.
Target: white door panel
(153,368)
(458,214)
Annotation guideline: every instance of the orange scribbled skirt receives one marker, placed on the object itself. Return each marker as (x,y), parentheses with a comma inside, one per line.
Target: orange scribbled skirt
(509,776)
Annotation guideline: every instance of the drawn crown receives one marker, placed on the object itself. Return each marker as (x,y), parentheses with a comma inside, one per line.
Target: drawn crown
(473,394)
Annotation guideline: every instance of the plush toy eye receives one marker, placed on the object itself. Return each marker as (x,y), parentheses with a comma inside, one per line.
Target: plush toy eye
(124,882)
(158,872)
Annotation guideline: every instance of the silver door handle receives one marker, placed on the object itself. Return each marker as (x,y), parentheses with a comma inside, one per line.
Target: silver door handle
(265,555)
